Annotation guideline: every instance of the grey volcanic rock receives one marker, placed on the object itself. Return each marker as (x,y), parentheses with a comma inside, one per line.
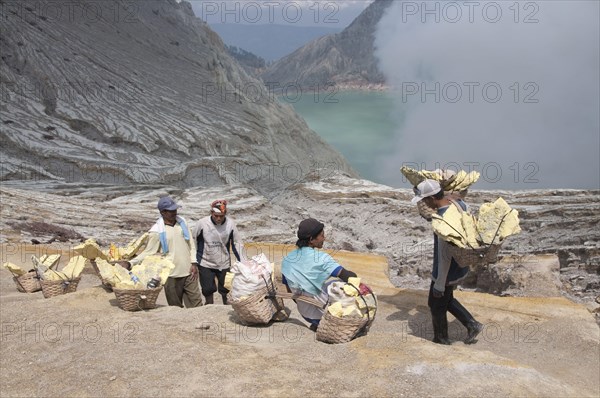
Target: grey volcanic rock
(346,58)
(560,226)
(140,92)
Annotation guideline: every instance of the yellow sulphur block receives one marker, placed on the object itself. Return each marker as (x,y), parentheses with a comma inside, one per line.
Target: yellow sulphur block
(14,269)
(336,309)
(228,280)
(354,281)
(75,266)
(50,260)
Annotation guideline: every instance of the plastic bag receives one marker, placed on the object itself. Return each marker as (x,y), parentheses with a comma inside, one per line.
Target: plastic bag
(336,293)
(249,276)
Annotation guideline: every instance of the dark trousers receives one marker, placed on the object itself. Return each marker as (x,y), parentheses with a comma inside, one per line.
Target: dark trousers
(447,303)
(208,285)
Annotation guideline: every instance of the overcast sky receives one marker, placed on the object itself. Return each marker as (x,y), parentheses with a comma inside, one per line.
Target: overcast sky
(510,89)
(328,13)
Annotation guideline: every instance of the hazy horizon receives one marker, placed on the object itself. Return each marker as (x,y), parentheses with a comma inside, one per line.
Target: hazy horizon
(363,125)
(514,86)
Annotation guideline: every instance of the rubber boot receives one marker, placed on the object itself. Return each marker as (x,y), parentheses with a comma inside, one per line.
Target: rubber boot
(473,329)
(465,317)
(224,296)
(440,329)
(209,299)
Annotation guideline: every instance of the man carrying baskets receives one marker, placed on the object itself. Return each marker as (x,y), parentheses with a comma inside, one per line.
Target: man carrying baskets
(306,269)
(446,272)
(170,236)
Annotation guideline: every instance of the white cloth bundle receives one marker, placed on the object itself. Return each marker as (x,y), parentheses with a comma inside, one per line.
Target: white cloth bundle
(249,276)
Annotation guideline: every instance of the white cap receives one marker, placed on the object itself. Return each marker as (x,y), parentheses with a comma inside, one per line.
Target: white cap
(424,189)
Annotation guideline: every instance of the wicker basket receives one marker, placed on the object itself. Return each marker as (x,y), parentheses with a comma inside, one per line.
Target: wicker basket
(28,283)
(137,299)
(259,308)
(425,211)
(474,258)
(341,330)
(56,288)
(333,329)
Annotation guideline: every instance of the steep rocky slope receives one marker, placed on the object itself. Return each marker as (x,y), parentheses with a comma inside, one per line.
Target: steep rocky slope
(345,58)
(139,92)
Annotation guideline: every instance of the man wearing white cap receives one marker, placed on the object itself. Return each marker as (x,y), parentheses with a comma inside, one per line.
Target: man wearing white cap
(216,237)
(446,272)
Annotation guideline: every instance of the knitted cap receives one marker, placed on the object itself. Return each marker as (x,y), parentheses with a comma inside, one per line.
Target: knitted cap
(309,228)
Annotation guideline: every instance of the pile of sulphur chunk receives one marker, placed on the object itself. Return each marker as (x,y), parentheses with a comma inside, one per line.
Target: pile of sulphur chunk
(494,223)
(45,267)
(152,267)
(91,250)
(48,260)
(449,180)
(353,299)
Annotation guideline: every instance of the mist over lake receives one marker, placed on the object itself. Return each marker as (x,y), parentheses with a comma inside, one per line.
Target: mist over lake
(367,128)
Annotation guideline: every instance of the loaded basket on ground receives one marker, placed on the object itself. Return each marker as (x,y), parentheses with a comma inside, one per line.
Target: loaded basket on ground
(267,305)
(261,307)
(28,283)
(137,299)
(51,288)
(334,330)
(55,283)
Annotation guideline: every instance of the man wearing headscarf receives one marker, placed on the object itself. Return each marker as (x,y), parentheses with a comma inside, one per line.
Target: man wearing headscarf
(306,269)
(216,236)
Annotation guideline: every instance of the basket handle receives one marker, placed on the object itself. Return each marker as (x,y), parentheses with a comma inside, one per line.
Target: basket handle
(272,293)
(365,301)
(499,225)
(366,326)
(17,279)
(299,297)
(295,296)
(65,284)
(143,297)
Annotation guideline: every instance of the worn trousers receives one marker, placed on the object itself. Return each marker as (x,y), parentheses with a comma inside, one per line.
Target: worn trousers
(178,289)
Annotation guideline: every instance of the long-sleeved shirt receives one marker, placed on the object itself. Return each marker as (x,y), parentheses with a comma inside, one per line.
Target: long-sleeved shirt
(305,271)
(214,243)
(181,252)
(446,271)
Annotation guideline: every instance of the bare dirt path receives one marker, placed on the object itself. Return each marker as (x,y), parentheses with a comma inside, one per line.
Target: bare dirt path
(82,344)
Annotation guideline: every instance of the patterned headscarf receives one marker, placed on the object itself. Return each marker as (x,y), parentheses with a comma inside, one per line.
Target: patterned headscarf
(219,207)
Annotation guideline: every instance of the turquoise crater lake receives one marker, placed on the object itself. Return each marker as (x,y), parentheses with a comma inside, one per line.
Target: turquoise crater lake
(359,124)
